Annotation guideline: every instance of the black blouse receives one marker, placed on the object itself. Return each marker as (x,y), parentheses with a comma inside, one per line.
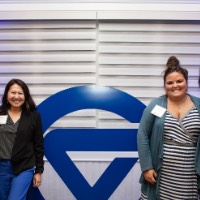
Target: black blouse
(7,138)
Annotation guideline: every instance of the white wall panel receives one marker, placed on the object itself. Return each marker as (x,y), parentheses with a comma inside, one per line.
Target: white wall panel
(149,48)
(142,70)
(47,24)
(37,14)
(53,79)
(49,68)
(102,1)
(150,59)
(130,81)
(132,54)
(47,57)
(44,35)
(150,37)
(72,123)
(54,46)
(143,14)
(141,25)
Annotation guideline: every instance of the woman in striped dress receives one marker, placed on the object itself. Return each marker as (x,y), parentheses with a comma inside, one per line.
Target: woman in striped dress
(168,140)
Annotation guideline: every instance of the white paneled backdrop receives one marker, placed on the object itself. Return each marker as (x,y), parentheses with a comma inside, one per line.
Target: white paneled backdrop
(59,50)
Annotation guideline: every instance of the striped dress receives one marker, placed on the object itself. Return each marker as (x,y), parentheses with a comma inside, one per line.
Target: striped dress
(178,179)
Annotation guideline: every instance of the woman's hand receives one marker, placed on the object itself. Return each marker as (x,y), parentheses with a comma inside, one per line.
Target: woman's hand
(37,179)
(150,176)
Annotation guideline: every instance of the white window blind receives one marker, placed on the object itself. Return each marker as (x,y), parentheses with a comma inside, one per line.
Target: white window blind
(132,54)
(52,55)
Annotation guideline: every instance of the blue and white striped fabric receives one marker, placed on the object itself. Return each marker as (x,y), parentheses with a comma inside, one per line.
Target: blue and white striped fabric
(178,179)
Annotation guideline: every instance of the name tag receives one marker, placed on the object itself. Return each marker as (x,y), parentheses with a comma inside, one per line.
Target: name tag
(158,111)
(3,119)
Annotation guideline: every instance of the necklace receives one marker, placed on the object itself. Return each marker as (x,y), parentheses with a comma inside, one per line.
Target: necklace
(180,104)
(179,108)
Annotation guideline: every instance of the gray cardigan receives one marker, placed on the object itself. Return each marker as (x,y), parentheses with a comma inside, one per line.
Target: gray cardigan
(150,144)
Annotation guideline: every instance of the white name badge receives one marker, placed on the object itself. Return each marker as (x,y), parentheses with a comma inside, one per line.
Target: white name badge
(3,119)
(158,111)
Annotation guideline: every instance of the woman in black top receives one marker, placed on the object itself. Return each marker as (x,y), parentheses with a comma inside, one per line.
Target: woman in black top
(21,142)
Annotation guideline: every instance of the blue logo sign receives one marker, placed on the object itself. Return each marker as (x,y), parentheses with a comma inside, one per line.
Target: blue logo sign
(59,141)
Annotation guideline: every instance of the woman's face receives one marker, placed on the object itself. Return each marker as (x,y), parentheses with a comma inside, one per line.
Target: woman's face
(175,85)
(16,96)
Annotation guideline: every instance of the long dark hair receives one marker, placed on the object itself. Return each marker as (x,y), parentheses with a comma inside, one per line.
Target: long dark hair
(29,104)
(173,65)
